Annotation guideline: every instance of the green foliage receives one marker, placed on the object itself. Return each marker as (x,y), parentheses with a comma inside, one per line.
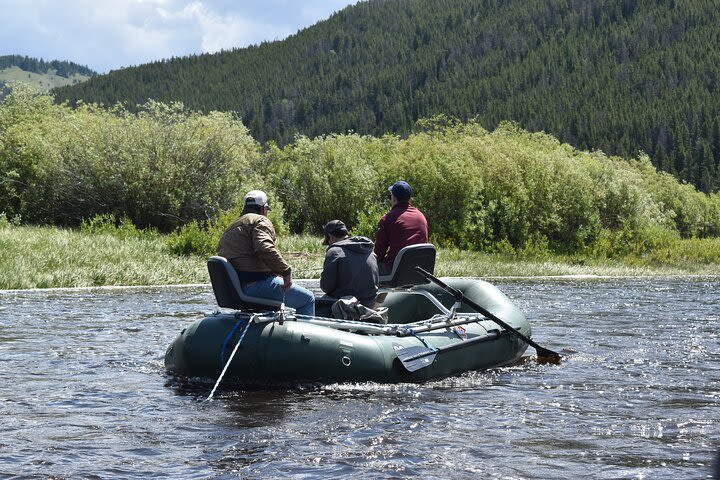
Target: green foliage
(598,74)
(162,167)
(202,237)
(193,239)
(508,191)
(7,223)
(447,184)
(109,224)
(325,178)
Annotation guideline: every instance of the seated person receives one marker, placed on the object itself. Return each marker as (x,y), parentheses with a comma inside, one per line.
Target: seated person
(403,225)
(350,266)
(249,246)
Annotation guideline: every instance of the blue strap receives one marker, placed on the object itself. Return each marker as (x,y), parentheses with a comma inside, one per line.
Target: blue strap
(227,340)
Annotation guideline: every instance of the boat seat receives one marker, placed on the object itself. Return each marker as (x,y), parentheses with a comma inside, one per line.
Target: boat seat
(228,291)
(403,272)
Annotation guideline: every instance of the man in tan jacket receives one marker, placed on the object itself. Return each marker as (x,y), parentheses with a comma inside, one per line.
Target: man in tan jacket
(249,246)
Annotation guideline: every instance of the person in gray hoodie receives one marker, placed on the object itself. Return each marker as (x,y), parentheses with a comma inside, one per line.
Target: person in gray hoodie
(350,266)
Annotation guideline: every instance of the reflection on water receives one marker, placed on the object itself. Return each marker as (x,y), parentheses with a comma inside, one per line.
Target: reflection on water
(84,393)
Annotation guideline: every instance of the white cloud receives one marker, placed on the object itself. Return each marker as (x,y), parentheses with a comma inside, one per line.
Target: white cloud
(110,34)
(218,31)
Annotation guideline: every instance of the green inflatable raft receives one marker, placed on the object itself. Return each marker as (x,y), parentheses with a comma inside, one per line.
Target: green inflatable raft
(428,334)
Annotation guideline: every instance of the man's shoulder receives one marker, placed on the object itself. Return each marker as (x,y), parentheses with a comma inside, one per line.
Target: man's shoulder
(414,211)
(334,251)
(254,219)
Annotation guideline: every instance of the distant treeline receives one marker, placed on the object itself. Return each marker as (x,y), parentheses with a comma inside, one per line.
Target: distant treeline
(617,76)
(62,68)
(168,168)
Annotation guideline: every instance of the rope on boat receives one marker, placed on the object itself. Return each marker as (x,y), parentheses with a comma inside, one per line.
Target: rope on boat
(222,374)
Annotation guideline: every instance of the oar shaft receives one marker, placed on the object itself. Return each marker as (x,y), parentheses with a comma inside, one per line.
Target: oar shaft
(456,346)
(459,296)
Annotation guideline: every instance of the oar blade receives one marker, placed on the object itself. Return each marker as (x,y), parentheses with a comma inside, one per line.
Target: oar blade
(544,355)
(415,358)
(548,356)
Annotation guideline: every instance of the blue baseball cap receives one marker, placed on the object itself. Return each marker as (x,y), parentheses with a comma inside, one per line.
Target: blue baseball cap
(401,189)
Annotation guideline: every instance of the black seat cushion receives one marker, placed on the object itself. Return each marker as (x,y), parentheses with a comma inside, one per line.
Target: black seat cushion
(228,290)
(403,272)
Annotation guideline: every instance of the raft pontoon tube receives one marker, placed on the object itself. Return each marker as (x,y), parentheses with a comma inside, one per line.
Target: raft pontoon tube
(428,335)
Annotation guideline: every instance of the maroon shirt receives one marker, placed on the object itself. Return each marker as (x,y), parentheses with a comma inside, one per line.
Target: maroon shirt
(403,225)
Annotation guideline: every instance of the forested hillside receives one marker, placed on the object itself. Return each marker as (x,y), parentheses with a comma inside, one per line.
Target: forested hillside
(62,68)
(618,76)
(39,73)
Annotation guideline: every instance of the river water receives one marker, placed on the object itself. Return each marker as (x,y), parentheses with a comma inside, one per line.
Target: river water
(83,394)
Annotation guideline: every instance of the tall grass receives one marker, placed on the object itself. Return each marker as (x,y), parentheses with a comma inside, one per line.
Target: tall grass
(47,257)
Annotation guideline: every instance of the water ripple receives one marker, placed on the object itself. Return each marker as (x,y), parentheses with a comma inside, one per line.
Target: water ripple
(84,394)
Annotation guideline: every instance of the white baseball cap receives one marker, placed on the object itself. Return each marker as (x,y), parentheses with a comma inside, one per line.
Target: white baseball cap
(256,197)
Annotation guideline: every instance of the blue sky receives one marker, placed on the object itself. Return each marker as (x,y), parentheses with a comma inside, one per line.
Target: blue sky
(110,34)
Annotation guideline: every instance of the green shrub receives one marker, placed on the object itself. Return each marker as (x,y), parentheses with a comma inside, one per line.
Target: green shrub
(7,223)
(175,170)
(111,225)
(161,167)
(448,186)
(192,239)
(202,237)
(629,242)
(325,178)
(508,190)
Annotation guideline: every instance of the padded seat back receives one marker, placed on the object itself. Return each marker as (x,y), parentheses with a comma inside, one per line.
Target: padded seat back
(403,271)
(228,290)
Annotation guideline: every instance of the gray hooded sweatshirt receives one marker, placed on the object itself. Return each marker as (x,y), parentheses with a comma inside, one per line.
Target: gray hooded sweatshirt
(351,268)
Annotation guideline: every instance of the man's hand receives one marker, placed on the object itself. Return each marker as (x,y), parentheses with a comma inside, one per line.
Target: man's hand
(287,282)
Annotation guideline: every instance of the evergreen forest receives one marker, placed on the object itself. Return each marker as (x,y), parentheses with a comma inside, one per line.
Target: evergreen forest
(618,76)
(39,73)
(62,68)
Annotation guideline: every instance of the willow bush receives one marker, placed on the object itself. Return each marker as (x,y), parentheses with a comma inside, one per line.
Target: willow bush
(326,178)
(508,191)
(446,185)
(161,167)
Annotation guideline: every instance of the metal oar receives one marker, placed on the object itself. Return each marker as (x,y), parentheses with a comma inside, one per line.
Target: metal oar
(544,354)
(413,329)
(349,325)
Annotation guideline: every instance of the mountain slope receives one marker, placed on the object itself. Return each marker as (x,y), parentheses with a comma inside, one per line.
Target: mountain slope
(41,74)
(619,76)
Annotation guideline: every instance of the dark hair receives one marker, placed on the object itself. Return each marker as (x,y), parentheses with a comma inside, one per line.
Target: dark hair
(252,209)
(402,197)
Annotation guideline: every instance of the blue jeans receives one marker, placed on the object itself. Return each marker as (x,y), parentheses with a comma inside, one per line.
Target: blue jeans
(297,297)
